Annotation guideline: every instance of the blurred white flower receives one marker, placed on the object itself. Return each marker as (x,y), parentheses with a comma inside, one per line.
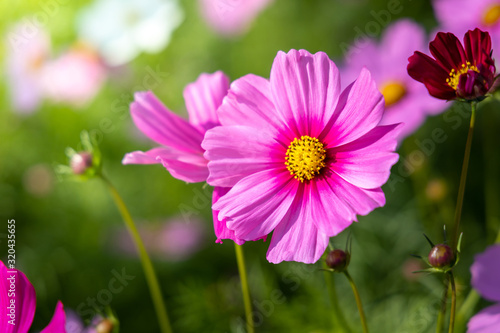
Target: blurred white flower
(121,29)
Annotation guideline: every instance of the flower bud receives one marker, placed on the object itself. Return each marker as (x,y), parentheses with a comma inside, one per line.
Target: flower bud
(441,256)
(105,326)
(337,260)
(80,162)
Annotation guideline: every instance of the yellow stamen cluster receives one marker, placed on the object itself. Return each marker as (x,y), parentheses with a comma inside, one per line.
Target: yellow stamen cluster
(305,157)
(492,15)
(393,91)
(455,75)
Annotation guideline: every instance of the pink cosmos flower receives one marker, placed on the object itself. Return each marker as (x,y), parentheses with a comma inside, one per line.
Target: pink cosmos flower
(459,16)
(231,17)
(181,152)
(406,100)
(302,157)
(75,77)
(485,279)
(22,303)
(27,52)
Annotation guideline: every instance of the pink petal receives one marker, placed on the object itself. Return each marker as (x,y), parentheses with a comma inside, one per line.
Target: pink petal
(203,97)
(187,166)
(58,322)
(367,161)
(192,170)
(220,227)
(305,89)
(24,301)
(485,321)
(164,126)
(326,209)
(296,238)
(359,110)
(361,201)
(235,152)
(486,273)
(257,203)
(149,157)
(249,103)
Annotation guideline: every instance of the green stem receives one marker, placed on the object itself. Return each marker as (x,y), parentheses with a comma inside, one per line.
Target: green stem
(338,315)
(358,301)
(244,287)
(152,280)
(463,176)
(444,302)
(466,309)
(453,302)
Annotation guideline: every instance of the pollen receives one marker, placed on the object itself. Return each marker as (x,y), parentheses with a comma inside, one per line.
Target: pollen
(393,91)
(305,157)
(455,74)
(492,15)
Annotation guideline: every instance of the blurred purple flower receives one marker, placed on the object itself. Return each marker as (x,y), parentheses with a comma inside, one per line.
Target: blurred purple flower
(26,55)
(74,77)
(231,17)
(486,280)
(459,16)
(175,240)
(24,302)
(407,101)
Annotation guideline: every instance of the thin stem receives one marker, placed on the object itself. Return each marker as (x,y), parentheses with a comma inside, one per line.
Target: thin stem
(147,266)
(358,301)
(463,176)
(466,309)
(444,301)
(453,302)
(338,315)
(244,287)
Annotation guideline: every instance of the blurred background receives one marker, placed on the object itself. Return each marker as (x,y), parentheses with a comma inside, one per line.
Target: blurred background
(68,66)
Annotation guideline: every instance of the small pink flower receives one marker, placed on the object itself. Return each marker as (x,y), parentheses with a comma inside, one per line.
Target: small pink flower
(406,100)
(24,301)
(74,77)
(302,157)
(231,17)
(485,279)
(181,152)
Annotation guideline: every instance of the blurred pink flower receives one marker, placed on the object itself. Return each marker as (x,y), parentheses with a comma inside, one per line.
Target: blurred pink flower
(74,77)
(302,157)
(181,152)
(485,279)
(407,101)
(21,303)
(231,17)
(459,16)
(174,240)
(26,54)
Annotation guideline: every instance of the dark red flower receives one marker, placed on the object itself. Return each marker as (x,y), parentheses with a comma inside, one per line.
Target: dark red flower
(463,72)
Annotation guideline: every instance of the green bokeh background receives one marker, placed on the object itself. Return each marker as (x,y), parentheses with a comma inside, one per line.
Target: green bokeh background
(63,238)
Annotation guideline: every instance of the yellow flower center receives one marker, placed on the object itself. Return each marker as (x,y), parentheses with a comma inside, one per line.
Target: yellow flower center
(305,157)
(492,15)
(393,91)
(455,75)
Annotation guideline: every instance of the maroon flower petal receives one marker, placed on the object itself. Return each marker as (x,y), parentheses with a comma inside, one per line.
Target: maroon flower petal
(424,69)
(448,51)
(477,46)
